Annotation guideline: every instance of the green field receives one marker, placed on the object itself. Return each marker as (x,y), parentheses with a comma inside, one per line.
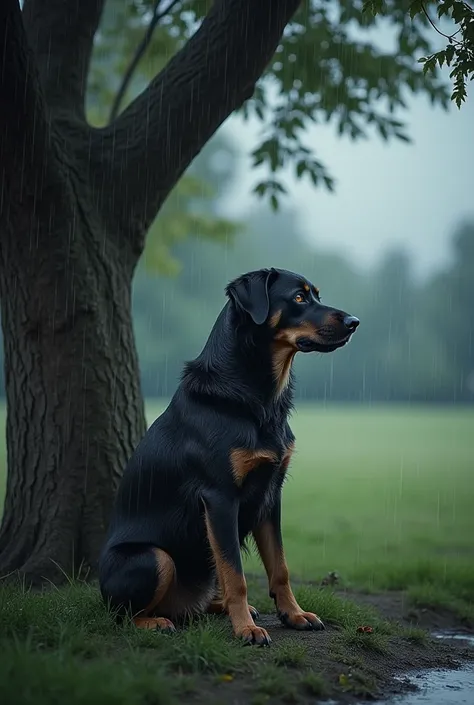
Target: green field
(382,495)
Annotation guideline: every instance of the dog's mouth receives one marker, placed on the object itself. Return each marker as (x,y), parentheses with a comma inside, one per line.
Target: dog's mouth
(310,345)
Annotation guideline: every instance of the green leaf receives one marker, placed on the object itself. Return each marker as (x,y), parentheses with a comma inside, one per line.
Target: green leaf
(444,8)
(401,136)
(449,53)
(415,8)
(372,6)
(260,189)
(460,11)
(329,183)
(301,167)
(430,64)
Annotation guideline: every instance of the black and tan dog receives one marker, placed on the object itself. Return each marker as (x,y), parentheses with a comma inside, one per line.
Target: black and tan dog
(209,471)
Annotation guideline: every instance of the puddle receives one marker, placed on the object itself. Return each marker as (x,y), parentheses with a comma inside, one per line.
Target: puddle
(441,687)
(468,639)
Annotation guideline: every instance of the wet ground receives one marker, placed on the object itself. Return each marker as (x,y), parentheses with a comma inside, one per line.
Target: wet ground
(407,671)
(437,671)
(441,686)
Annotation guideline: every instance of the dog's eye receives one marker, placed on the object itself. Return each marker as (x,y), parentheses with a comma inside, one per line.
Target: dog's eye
(300,298)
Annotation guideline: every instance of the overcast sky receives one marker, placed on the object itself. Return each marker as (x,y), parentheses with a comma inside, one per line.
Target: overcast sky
(387,194)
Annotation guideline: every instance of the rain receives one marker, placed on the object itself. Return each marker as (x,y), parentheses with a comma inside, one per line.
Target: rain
(236,351)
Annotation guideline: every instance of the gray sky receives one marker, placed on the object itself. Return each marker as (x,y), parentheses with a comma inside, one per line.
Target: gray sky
(387,194)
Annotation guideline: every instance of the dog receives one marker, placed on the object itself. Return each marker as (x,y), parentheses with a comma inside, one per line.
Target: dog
(209,472)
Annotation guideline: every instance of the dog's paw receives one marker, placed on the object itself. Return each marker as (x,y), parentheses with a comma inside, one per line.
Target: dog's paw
(254,635)
(160,624)
(303,621)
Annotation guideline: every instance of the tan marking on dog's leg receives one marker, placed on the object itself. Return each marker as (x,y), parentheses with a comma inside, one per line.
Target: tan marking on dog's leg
(274,561)
(234,596)
(166,575)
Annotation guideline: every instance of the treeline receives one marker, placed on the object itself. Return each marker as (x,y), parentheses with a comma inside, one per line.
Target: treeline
(415,342)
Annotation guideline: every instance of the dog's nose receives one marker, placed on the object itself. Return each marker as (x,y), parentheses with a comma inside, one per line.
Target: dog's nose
(351,322)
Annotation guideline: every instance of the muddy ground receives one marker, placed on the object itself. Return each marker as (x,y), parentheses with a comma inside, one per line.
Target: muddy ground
(335,670)
(395,606)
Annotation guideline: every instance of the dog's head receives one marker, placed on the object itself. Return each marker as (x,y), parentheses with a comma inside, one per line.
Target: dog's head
(289,307)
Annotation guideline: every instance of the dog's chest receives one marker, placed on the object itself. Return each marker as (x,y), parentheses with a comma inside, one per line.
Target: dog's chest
(260,483)
(256,466)
(257,495)
(259,471)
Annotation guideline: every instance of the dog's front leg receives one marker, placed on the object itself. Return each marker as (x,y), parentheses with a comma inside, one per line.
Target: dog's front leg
(221,515)
(270,547)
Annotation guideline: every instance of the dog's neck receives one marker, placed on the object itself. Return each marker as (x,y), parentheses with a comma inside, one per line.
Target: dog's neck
(237,364)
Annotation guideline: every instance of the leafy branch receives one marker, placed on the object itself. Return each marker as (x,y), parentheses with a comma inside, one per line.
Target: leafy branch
(459,52)
(322,72)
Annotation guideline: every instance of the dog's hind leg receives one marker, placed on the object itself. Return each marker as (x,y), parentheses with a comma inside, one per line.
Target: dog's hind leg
(165,577)
(137,579)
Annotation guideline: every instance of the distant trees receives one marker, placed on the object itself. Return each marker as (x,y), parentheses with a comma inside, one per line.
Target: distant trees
(417,338)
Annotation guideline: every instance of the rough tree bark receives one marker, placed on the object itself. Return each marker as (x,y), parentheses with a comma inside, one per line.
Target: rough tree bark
(75,205)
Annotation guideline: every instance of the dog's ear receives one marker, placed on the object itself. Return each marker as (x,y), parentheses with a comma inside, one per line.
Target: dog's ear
(250,293)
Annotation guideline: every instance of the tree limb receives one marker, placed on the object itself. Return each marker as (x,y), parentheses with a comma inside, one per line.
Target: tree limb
(24,125)
(61,34)
(141,49)
(153,141)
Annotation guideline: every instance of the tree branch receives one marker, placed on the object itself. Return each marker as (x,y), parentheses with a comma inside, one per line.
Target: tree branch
(141,49)
(61,34)
(24,125)
(165,127)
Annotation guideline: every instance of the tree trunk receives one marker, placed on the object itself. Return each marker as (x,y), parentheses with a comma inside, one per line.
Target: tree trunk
(75,205)
(75,411)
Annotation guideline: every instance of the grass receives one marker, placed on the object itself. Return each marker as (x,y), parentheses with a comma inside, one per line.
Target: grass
(65,637)
(61,645)
(314,684)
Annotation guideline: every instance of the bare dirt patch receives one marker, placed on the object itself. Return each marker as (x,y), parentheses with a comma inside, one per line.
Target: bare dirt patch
(395,606)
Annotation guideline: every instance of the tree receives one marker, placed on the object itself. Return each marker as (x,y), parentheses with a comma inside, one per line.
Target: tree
(77,202)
